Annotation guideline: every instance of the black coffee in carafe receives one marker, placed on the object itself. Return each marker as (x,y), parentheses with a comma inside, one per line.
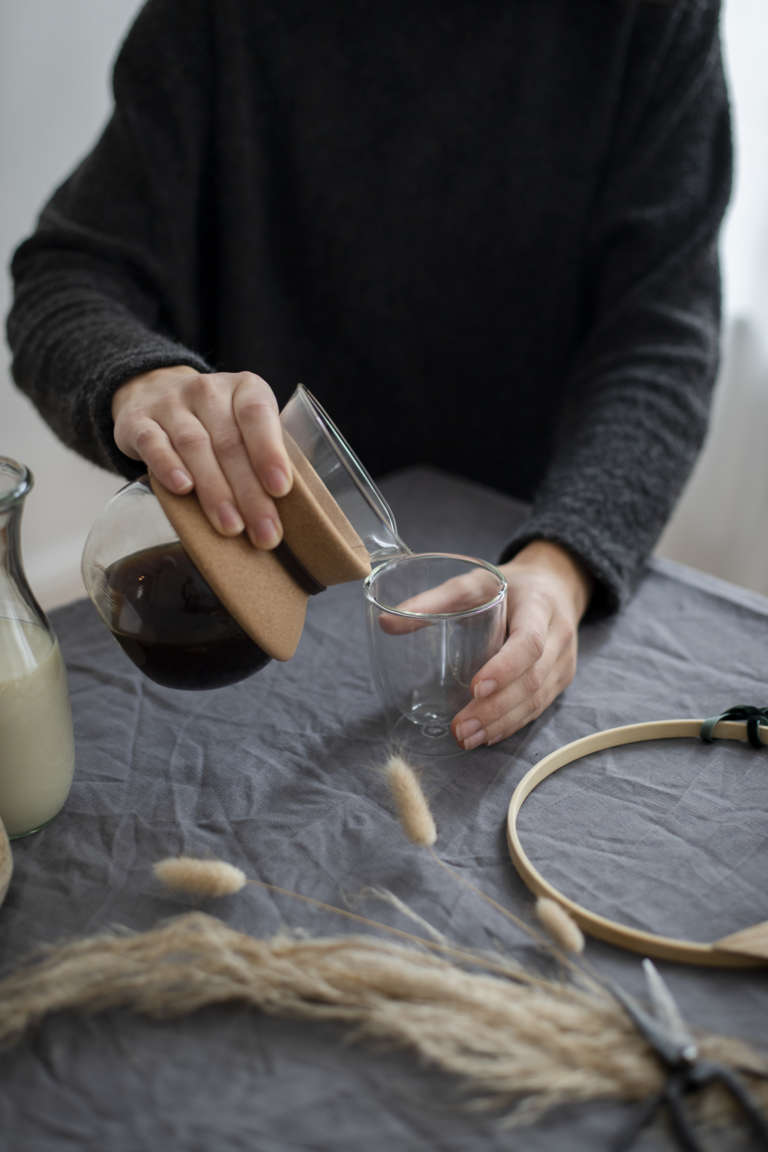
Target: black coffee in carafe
(196,609)
(173,625)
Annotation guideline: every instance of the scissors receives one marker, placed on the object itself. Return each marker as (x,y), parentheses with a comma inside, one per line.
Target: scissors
(667,1033)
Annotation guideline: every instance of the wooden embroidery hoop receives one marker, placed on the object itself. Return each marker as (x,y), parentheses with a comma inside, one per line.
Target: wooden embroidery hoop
(743,949)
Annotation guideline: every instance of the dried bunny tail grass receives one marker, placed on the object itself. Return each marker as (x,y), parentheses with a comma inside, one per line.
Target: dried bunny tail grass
(580,970)
(411,803)
(196,877)
(560,925)
(509,1042)
(419,826)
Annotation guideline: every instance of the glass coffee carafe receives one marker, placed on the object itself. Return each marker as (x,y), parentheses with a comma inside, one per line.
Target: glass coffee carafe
(158,604)
(37,752)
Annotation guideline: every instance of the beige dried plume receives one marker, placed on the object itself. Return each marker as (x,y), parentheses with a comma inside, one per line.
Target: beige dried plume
(560,925)
(204,878)
(410,801)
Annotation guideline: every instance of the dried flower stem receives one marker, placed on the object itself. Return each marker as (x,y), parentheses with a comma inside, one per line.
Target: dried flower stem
(419,826)
(495,963)
(580,969)
(508,968)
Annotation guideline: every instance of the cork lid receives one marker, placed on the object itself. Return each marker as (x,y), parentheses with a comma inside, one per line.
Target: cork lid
(267,591)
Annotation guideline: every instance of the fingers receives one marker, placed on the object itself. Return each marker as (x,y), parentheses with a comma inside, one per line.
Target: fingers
(193,439)
(149,443)
(229,489)
(535,664)
(509,710)
(529,627)
(217,432)
(258,419)
(468,590)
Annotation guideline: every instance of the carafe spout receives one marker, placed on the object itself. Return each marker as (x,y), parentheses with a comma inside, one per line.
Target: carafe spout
(385,544)
(343,475)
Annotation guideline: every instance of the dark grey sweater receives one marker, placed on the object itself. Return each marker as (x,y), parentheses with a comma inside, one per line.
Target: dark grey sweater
(483,234)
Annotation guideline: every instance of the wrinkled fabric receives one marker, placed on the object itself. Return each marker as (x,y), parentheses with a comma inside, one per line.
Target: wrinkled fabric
(278,775)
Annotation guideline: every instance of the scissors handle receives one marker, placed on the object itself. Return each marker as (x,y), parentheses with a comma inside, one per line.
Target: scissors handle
(679,1083)
(645,1114)
(709,1072)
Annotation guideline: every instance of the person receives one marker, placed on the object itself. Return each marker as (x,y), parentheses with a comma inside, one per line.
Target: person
(484,235)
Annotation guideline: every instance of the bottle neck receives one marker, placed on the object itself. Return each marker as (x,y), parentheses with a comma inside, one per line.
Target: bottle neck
(17,600)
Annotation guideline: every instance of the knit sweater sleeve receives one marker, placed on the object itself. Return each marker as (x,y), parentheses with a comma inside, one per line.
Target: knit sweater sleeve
(112,268)
(639,394)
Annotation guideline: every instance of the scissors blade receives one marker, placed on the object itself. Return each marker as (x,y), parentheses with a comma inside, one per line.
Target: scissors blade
(654,1032)
(667,1013)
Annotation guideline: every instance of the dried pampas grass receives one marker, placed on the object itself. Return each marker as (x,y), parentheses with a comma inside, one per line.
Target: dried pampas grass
(512,1041)
(204,878)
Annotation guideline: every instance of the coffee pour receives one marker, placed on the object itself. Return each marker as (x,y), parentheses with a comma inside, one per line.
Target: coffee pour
(194,609)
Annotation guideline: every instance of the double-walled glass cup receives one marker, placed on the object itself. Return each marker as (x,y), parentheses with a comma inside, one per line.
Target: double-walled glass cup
(434,619)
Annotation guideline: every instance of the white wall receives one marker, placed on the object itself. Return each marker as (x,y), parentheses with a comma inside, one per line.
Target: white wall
(55,57)
(745,237)
(719,524)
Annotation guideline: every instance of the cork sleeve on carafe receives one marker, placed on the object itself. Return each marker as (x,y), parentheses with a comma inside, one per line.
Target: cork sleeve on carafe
(268,595)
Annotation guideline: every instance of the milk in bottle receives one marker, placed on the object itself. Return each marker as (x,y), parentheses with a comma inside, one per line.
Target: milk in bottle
(36,742)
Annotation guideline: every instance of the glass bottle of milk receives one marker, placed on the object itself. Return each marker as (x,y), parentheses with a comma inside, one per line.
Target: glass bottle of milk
(36,744)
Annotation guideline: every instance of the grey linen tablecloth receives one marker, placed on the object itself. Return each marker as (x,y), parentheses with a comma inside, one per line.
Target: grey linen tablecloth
(277,774)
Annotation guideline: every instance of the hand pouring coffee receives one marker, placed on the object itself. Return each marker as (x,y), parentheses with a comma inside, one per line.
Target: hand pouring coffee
(194,609)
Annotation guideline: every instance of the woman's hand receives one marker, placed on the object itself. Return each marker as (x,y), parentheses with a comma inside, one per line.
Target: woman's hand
(218,433)
(548,594)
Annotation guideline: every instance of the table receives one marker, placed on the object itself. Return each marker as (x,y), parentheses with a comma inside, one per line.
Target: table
(277,775)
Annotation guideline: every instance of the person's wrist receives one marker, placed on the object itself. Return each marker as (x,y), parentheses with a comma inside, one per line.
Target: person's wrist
(564,565)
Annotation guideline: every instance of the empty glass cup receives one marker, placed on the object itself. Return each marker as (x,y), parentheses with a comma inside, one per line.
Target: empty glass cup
(434,619)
